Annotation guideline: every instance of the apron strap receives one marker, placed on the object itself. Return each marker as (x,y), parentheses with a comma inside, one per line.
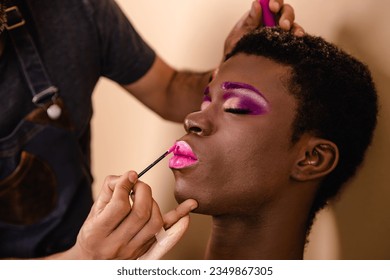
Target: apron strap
(33,69)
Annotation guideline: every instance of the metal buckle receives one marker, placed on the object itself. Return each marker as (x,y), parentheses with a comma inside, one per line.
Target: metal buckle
(18,15)
(44,95)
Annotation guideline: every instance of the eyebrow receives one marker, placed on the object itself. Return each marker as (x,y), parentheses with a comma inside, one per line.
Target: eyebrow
(238,85)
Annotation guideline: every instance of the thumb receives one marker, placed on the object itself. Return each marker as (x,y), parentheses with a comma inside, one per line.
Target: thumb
(166,239)
(183,209)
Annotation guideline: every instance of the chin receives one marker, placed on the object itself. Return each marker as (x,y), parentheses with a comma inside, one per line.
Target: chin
(181,196)
(187,187)
(183,188)
(205,205)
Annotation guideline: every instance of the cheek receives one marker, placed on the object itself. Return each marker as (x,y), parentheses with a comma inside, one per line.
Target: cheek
(265,158)
(214,181)
(238,174)
(208,190)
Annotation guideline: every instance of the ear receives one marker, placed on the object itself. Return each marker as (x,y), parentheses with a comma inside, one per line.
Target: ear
(317,158)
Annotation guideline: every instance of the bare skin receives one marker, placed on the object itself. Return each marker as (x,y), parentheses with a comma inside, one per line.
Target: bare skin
(121,228)
(257,186)
(164,86)
(118,229)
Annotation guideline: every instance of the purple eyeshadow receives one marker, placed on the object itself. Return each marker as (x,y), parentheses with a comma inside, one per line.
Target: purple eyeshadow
(237,85)
(244,98)
(206,98)
(252,107)
(245,103)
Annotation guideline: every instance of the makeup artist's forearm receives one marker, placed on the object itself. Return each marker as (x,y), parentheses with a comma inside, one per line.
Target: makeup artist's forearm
(174,96)
(170,93)
(185,94)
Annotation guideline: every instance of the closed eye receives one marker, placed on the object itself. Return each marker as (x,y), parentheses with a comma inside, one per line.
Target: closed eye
(238,111)
(242,105)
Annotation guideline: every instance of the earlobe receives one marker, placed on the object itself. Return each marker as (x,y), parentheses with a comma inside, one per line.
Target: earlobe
(317,160)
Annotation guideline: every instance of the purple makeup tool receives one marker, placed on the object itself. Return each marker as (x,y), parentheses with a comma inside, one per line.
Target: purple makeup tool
(268,16)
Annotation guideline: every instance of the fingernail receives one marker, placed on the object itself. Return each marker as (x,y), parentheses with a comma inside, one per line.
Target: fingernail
(286,23)
(194,206)
(276,7)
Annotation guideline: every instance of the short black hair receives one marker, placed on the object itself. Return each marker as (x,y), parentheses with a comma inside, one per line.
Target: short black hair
(336,96)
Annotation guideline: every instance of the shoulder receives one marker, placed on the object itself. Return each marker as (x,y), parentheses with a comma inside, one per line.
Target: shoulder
(101,9)
(80,10)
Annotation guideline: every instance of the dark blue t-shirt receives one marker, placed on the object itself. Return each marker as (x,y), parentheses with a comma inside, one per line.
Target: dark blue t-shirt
(79,41)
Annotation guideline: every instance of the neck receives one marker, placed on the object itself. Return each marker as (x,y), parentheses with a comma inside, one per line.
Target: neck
(254,242)
(278,232)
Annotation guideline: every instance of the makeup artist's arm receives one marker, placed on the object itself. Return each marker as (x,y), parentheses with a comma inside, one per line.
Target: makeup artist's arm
(173,94)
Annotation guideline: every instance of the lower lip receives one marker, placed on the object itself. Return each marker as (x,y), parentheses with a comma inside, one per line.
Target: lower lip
(179,162)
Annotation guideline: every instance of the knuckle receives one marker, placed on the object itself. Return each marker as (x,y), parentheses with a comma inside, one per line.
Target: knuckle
(109,179)
(122,206)
(157,223)
(142,214)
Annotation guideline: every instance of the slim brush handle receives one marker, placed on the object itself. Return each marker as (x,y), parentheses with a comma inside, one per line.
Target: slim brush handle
(268,16)
(171,149)
(153,164)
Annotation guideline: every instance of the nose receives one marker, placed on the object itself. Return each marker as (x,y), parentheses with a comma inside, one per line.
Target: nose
(198,123)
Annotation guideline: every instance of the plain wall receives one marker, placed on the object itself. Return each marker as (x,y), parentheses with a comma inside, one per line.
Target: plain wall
(190,35)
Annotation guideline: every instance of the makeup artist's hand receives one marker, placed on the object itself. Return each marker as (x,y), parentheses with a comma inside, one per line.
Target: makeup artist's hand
(175,225)
(115,228)
(251,20)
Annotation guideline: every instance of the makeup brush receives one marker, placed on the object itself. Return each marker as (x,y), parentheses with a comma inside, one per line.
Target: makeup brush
(268,16)
(171,149)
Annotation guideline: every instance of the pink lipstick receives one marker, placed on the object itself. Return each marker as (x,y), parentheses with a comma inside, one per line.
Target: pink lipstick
(183,156)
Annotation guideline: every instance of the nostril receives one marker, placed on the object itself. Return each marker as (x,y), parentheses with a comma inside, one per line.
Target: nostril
(196,123)
(195,129)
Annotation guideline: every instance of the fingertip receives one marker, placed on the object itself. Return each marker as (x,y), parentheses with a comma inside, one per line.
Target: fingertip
(193,204)
(255,10)
(298,30)
(274,7)
(299,33)
(255,5)
(285,24)
(132,176)
(187,206)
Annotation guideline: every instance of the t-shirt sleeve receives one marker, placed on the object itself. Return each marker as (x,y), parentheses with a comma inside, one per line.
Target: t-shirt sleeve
(125,56)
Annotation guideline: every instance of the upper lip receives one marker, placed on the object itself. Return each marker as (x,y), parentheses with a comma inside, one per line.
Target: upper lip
(182,148)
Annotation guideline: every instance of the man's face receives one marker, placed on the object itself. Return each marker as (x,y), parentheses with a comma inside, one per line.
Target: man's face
(241,139)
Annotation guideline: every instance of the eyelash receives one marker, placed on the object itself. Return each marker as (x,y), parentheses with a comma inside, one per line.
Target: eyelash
(237,111)
(234,105)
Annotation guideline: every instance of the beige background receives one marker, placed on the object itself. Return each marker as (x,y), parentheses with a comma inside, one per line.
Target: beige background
(190,34)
